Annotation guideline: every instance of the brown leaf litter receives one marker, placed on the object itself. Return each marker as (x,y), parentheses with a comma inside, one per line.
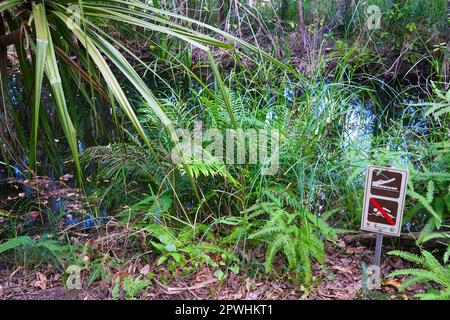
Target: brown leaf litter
(338,278)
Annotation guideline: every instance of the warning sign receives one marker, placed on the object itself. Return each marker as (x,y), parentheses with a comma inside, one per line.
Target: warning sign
(386,183)
(383,200)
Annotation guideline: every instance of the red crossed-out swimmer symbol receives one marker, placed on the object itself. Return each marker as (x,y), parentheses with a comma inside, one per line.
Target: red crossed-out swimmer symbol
(385,215)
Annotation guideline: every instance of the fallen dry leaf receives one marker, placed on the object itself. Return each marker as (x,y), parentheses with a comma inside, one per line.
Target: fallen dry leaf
(395,262)
(145,270)
(85,259)
(41,281)
(392,282)
(347,269)
(341,243)
(120,274)
(353,250)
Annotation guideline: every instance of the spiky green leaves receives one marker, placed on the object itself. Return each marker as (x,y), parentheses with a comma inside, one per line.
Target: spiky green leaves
(292,234)
(432,271)
(46,60)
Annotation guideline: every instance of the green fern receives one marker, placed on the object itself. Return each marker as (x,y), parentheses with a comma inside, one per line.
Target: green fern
(427,205)
(117,166)
(27,243)
(432,271)
(206,169)
(411,257)
(277,244)
(15,242)
(447,254)
(442,104)
(435,295)
(295,235)
(430,191)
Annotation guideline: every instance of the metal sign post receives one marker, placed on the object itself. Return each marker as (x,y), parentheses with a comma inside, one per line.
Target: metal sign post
(377,256)
(383,203)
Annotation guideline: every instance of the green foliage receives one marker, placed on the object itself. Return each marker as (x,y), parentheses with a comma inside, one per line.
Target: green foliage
(296,235)
(432,271)
(426,201)
(37,249)
(133,287)
(431,187)
(15,242)
(321,156)
(441,106)
(181,249)
(54,27)
(115,292)
(118,167)
(202,168)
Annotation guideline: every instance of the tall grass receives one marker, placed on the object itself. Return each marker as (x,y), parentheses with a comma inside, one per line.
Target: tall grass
(332,124)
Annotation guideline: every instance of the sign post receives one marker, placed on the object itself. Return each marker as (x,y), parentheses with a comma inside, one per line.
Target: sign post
(378,244)
(384,199)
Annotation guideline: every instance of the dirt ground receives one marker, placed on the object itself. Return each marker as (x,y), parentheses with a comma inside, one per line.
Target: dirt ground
(339,278)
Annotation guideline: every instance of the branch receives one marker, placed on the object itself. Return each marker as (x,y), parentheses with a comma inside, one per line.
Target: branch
(10,38)
(405,239)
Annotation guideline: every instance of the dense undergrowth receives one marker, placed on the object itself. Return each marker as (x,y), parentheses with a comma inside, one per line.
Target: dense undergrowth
(344,98)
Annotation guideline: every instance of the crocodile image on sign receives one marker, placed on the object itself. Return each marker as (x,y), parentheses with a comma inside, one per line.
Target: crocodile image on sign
(386,183)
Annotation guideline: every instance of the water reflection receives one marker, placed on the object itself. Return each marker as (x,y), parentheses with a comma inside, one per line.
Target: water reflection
(92,122)
(360,122)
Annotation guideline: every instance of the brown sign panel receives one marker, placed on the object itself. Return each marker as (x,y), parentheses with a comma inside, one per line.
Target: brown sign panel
(386,183)
(382,211)
(383,200)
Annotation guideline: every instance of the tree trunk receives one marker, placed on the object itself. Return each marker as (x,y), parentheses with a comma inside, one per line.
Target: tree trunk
(284,10)
(3,53)
(301,20)
(405,240)
(301,25)
(223,12)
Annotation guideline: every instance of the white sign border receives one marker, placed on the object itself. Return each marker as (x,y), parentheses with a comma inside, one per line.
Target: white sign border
(378,227)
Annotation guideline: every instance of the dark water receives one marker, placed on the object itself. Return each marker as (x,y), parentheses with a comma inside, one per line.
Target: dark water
(93,123)
(365,124)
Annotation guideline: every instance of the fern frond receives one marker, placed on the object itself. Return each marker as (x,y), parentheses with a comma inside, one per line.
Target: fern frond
(306,263)
(422,273)
(411,257)
(317,248)
(447,254)
(427,229)
(432,264)
(324,227)
(440,295)
(292,233)
(412,281)
(266,231)
(283,196)
(290,252)
(274,247)
(434,235)
(427,205)
(430,191)
(15,242)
